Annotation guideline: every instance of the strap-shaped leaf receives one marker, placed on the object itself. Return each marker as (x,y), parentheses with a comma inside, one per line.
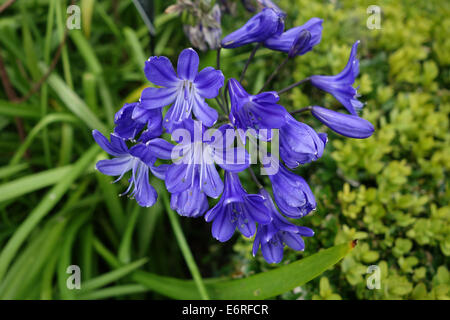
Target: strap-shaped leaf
(260,286)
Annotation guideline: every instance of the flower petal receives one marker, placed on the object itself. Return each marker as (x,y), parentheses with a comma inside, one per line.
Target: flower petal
(345,124)
(210,181)
(179,177)
(257,209)
(160,171)
(204,112)
(152,98)
(272,252)
(161,148)
(187,67)
(222,227)
(233,160)
(159,70)
(117,148)
(114,167)
(144,192)
(144,153)
(293,240)
(208,82)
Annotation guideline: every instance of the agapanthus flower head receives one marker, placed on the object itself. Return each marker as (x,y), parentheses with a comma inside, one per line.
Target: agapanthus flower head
(298,40)
(259,111)
(299,143)
(138,159)
(292,194)
(341,85)
(236,209)
(201,148)
(345,124)
(130,120)
(260,27)
(185,90)
(279,232)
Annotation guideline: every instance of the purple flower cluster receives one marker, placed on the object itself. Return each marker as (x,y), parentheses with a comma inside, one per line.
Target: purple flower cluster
(197,165)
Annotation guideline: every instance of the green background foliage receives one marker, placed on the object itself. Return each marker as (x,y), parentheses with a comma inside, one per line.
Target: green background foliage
(390,191)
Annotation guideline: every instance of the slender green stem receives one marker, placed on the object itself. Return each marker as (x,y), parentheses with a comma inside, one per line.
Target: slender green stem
(250,58)
(64,54)
(301,110)
(225,95)
(274,73)
(222,107)
(124,252)
(184,247)
(218,58)
(254,178)
(293,85)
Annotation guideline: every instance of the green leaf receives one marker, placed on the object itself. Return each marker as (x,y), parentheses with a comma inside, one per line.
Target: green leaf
(47,203)
(21,186)
(135,49)
(112,276)
(73,102)
(112,292)
(260,286)
(10,109)
(124,252)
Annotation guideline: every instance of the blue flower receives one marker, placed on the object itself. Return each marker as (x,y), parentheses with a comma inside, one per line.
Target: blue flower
(341,85)
(131,119)
(185,91)
(139,159)
(299,143)
(292,194)
(279,232)
(194,161)
(236,209)
(259,28)
(298,40)
(347,125)
(255,112)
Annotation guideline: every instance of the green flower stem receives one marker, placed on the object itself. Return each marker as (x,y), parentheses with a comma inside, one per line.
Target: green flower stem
(274,73)
(184,247)
(252,54)
(293,85)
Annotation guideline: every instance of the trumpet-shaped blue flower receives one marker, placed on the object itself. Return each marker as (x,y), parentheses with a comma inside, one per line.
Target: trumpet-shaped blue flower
(279,232)
(185,90)
(298,40)
(259,28)
(255,112)
(292,194)
(236,209)
(299,143)
(138,159)
(345,124)
(341,85)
